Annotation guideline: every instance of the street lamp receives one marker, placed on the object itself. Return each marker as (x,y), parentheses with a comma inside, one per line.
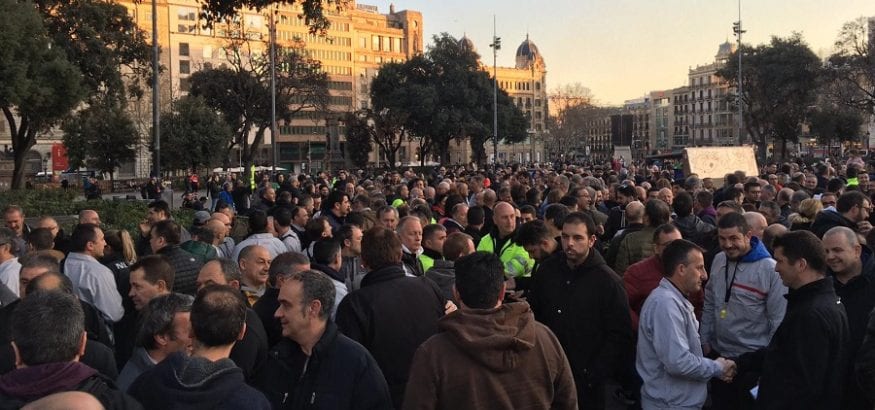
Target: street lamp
(736,28)
(156,118)
(496,45)
(273,129)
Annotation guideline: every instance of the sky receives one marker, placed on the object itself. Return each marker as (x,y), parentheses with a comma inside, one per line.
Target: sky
(623,49)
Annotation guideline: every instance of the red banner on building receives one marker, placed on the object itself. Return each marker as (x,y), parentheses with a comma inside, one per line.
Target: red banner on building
(59,158)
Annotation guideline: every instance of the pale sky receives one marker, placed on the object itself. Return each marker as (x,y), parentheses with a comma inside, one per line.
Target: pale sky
(623,49)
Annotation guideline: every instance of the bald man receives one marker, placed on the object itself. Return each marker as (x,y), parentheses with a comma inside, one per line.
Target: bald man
(634,223)
(501,241)
(226,247)
(757,223)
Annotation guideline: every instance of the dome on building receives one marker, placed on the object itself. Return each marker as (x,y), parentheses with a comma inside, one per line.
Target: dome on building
(725,50)
(527,54)
(467,44)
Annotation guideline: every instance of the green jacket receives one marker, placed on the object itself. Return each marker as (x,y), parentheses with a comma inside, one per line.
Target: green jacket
(517,262)
(203,251)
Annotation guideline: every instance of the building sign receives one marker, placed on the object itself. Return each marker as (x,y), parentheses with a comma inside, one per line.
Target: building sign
(59,158)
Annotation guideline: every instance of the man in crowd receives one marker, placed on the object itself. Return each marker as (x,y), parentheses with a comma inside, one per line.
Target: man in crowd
(458,218)
(443,273)
(92,281)
(207,378)
(489,354)
(410,233)
(345,376)
(165,239)
(501,241)
(350,238)
(13,217)
(165,329)
(328,260)
(151,277)
(266,306)
(254,263)
(89,216)
(387,216)
(392,314)
(744,304)
(584,304)
(282,223)
(9,266)
(260,236)
(433,237)
(225,248)
(642,277)
(852,211)
(669,358)
(158,211)
(805,363)
(639,245)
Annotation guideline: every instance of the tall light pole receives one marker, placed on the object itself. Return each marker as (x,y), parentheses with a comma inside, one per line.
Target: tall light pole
(273,131)
(156,117)
(736,28)
(496,45)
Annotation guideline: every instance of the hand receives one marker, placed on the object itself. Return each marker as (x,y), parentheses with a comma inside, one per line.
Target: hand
(864,227)
(729,369)
(450,307)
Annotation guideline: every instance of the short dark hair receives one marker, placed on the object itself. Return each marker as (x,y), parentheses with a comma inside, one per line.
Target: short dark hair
(732,205)
(257,221)
(82,234)
(384,248)
(849,200)
(282,265)
(802,245)
(230,269)
(677,253)
(283,216)
(704,198)
(751,184)
(430,230)
(155,268)
(556,213)
(532,233)
(455,244)
(160,205)
(217,315)
(663,230)
(168,230)
(41,239)
(568,201)
(682,204)
(316,285)
(582,218)
(246,251)
(734,220)
(47,327)
(627,191)
(479,277)
(528,209)
(324,251)
(40,261)
(335,197)
(157,317)
(657,213)
(476,215)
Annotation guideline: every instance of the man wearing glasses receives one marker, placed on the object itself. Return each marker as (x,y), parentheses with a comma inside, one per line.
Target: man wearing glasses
(851,210)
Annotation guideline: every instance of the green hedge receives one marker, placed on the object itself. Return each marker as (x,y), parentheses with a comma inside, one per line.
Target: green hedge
(124,214)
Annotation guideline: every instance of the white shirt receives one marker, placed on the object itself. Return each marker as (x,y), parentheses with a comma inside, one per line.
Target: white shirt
(273,245)
(95,284)
(9,271)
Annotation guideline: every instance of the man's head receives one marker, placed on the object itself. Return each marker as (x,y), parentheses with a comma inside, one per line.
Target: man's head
(284,265)
(666,195)
(337,203)
(219,272)
(460,213)
(657,213)
(49,223)
(254,262)
(771,210)
(625,194)
(88,239)
(535,237)
(306,300)
(14,218)
(854,205)
(258,222)
(383,249)
(843,251)
(218,317)
(458,244)
(800,258)
(48,327)
(33,267)
(752,191)
(635,212)
(810,182)
(757,223)
(388,217)
(684,265)
(504,217)
(828,199)
(433,237)
(327,252)
(528,214)
(578,236)
(151,276)
(683,204)
(476,216)
(166,325)
(350,237)
(225,220)
(410,233)
(664,235)
(89,216)
(734,235)
(164,233)
(479,281)
(40,239)
(727,207)
(7,244)
(269,195)
(158,211)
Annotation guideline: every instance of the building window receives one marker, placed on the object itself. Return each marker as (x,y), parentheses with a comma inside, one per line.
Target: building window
(183,49)
(363,42)
(185,84)
(184,67)
(207,52)
(375,43)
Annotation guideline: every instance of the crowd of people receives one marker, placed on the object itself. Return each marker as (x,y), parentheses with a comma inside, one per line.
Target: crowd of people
(513,287)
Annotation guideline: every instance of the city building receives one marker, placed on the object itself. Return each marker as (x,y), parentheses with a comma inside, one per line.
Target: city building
(711,117)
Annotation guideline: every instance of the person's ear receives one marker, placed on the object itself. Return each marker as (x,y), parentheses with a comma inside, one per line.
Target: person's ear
(18,362)
(502,292)
(234,284)
(315,308)
(82,343)
(242,332)
(162,285)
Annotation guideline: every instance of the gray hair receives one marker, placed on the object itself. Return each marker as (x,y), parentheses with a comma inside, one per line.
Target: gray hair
(47,327)
(157,317)
(7,236)
(850,236)
(316,286)
(230,269)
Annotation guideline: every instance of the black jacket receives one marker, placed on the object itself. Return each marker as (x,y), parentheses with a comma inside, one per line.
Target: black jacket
(692,228)
(829,219)
(265,308)
(864,363)
(412,263)
(858,298)
(250,352)
(391,315)
(587,308)
(186,266)
(182,382)
(339,374)
(21,386)
(804,365)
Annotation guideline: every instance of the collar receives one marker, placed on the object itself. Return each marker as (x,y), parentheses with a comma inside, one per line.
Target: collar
(432,254)
(407,250)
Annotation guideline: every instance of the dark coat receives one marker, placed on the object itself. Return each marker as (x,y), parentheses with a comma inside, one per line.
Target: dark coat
(339,374)
(858,298)
(864,364)
(804,365)
(250,352)
(586,307)
(692,228)
(21,386)
(265,308)
(829,219)
(391,315)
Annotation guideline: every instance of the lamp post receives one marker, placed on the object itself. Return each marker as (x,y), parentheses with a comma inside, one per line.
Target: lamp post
(156,118)
(736,28)
(273,129)
(496,45)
